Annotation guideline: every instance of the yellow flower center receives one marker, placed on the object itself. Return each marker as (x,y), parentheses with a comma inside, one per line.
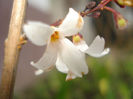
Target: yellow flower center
(121,2)
(55,36)
(76,38)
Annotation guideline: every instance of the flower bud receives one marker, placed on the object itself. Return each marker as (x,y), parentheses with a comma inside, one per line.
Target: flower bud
(122,3)
(128,3)
(90,5)
(120,21)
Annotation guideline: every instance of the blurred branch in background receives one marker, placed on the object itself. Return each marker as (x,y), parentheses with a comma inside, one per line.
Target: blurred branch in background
(12,50)
(104,26)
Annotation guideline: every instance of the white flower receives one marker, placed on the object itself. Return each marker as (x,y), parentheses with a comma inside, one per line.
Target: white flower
(96,49)
(60,50)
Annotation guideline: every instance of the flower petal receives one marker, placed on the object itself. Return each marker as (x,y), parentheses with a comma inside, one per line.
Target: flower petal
(61,66)
(96,49)
(37,32)
(48,59)
(39,72)
(82,46)
(72,24)
(73,58)
(64,69)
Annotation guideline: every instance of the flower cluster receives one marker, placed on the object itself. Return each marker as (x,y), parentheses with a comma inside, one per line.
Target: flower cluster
(68,56)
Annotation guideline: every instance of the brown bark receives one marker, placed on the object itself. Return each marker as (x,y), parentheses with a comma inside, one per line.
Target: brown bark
(12,50)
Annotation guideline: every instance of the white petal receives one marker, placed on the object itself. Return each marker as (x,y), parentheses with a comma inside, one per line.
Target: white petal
(72,24)
(96,49)
(39,72)
(106,51)
(82,46)
(73,58)
(61,66)
(64,69)
(37,32)
(48,59)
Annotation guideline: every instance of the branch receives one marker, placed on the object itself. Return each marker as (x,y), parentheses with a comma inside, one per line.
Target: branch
(12,50)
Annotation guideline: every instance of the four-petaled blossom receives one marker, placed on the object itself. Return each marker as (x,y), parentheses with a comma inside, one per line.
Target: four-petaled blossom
(60,51)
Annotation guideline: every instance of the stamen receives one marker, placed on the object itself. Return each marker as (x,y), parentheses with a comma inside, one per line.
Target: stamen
(77,38)
(55,36)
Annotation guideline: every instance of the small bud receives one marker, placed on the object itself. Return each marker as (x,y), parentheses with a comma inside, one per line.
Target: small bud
(120,21)
(123,3)
(128,3)
(119,4)
(90,5)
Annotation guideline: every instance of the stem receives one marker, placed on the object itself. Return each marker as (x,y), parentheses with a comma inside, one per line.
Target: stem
(99,7)
(11,49)
(88,12)
(111,10)
(105,2)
